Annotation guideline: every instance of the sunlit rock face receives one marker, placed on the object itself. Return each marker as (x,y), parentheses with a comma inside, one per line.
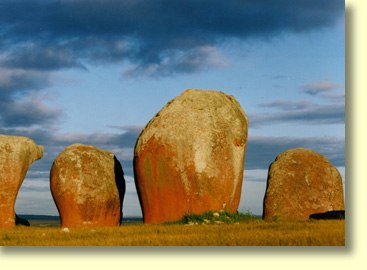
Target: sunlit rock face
(88,187)
(189,159)
(300,183)
(16,155)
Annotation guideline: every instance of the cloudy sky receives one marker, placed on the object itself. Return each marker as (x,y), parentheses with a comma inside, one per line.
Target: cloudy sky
(95,72)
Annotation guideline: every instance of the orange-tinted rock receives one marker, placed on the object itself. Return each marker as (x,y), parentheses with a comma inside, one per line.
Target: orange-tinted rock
(189,159)
(88,187)
(302,182)
(16,155)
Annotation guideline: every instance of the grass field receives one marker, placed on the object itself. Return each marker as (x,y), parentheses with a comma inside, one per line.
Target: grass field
(254,232)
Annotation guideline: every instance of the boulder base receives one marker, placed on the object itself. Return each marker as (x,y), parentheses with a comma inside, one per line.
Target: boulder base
(19,221)
(16,155)
(300,183)
(189,159)
(88,187)
(339,214)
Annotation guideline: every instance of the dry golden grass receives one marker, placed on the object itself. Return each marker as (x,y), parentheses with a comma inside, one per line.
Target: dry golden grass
(252,233)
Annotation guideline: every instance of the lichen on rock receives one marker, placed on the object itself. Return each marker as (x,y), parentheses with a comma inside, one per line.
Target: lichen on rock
(300,183)
(189,159)
(88,187)
(17,153)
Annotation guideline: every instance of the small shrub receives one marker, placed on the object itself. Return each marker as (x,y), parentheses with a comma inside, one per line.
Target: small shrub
(216,218)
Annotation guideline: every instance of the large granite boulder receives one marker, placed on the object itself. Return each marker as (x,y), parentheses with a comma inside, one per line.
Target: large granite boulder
(88,187)
(16,155)
(189,159)
(300,183)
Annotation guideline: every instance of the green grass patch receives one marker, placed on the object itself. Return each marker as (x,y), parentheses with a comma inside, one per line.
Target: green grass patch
(216,218)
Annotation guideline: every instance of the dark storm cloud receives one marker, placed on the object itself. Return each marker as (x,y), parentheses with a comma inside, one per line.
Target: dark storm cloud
(17,82)
(21,103)
(154,36)
(36,57)
(27,113)
(302,112)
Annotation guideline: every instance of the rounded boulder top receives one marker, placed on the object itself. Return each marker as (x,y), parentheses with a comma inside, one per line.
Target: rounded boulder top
(302,182)
(197,108)
(190,157)
(20,145)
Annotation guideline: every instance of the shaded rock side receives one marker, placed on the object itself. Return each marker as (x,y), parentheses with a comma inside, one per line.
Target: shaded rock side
(16,155)
(189,159)
(300,183)
(338,214)
(88,187)
(19,221)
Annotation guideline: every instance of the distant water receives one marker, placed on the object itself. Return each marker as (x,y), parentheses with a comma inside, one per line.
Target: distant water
(52,221)
(39,217)
(132,220)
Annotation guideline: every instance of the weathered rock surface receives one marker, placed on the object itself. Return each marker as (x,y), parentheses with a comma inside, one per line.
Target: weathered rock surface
(189,159)
(16,155)
(88,187)
(300,183)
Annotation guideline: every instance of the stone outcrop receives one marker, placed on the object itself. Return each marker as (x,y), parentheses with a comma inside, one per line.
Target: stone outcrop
(300,183)
(16,155)
(88,187)
(189,159)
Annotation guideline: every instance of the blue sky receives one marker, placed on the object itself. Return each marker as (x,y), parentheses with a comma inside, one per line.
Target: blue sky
(96,72)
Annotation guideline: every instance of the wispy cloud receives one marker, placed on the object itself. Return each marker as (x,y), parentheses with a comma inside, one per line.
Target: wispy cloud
(197,59)
(325,89)
(305,111)
(262,150)
(301,112)
(319,87)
